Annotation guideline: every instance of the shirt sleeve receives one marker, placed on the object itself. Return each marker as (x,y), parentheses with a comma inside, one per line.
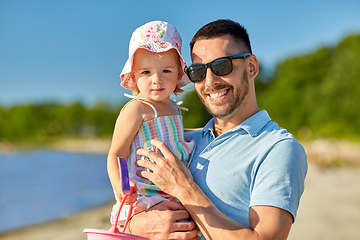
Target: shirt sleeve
(278,176)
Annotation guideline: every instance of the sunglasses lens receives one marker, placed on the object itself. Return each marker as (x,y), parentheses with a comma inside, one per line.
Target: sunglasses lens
(196,73)
(221,67)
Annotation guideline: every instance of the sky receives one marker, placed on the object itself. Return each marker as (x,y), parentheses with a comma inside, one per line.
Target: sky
(68,51)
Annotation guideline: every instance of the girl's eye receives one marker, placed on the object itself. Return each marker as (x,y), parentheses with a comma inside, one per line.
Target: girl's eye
(166,71)
(145,72)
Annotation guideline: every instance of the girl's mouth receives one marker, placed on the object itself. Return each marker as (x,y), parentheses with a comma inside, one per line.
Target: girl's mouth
(158,89)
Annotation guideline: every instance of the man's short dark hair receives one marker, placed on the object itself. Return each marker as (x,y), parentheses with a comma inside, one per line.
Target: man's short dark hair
(220,28)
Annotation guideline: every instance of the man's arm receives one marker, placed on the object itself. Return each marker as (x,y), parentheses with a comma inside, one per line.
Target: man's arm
(170,175)
(165,220)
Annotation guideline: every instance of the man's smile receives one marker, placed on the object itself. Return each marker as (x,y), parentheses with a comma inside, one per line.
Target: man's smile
(218,95)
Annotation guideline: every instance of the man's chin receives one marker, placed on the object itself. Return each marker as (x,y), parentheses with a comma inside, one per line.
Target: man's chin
(218,111)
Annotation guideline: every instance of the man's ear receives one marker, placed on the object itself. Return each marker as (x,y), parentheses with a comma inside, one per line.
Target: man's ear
(253,64)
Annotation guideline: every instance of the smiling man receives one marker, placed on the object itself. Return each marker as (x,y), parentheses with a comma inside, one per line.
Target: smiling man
(247,173)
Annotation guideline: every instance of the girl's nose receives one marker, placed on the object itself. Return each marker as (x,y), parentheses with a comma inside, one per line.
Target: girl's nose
(156,79)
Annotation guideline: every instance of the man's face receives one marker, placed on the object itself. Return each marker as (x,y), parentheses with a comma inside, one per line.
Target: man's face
(221,95)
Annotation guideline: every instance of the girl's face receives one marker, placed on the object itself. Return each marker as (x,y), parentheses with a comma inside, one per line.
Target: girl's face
(156,74)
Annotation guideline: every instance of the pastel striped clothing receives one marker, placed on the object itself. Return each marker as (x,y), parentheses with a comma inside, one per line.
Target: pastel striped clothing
(167,129)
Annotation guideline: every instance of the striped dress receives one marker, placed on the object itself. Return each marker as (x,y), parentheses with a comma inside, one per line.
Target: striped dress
(167,129)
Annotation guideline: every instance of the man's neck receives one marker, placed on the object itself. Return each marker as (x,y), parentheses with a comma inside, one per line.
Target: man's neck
(221,125)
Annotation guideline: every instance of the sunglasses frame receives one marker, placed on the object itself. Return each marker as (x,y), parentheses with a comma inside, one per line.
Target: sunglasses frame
(209,65)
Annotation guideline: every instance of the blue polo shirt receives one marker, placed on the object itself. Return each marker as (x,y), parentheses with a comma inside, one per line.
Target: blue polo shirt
(255,163)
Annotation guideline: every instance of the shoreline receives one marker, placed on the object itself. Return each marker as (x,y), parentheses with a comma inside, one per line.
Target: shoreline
(82,145)
(322,152)
(330,199)
(78,145)
(325,203)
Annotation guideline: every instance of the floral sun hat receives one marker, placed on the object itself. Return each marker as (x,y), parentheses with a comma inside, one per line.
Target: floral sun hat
(156,36)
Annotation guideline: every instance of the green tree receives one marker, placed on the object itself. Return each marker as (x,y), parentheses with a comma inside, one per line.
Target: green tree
(102,118)
(317,91)
(197,116)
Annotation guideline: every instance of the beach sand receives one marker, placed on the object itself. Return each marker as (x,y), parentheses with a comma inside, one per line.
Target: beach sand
(329,208)
(69,228)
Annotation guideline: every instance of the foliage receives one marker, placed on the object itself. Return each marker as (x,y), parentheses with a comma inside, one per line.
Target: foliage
(317,92)
(197,116)
(42,122)
(313,95)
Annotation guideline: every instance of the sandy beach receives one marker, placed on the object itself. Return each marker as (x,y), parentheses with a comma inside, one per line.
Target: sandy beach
(329,208)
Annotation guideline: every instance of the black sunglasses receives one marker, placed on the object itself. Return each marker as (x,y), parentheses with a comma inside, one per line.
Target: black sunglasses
(220,67)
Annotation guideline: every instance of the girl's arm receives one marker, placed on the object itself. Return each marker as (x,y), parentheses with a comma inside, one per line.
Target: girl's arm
(126,127)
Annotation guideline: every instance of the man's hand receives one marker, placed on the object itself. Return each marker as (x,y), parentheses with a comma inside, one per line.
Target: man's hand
(165,220)
(171,176)
(168,172)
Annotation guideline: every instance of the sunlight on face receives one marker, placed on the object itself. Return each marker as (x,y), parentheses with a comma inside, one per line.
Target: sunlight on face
(222,95)
(156,74)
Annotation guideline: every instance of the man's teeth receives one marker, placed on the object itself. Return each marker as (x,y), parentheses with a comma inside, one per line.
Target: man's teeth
(218,94)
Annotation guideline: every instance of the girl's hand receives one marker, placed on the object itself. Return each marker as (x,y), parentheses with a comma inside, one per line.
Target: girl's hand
(133,197)
(130,199)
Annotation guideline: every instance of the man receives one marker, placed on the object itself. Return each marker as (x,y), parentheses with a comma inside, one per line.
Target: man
(247,174)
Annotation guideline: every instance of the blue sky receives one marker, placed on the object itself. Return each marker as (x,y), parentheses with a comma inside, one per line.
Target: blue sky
(74,50)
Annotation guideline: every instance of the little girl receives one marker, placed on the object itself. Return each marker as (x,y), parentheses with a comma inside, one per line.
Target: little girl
(153,71)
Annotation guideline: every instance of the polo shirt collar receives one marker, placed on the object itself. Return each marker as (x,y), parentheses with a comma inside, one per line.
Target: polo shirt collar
(252,125)
(255,123)
(209,128)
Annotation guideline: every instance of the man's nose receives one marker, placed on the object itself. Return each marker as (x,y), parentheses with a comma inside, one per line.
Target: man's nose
(211,79)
